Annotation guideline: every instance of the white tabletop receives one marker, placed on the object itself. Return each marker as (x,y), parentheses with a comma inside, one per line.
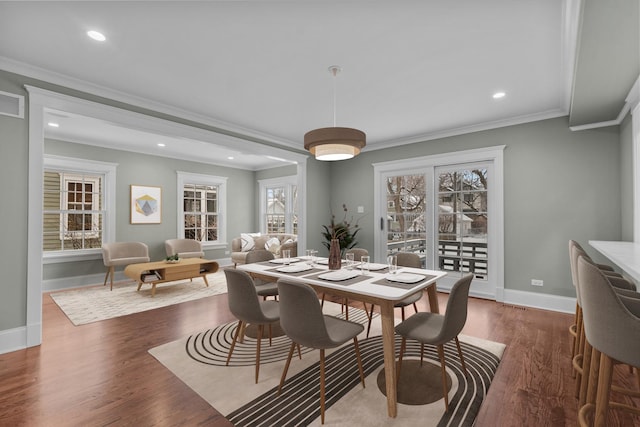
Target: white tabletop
(625,255)
(365,287)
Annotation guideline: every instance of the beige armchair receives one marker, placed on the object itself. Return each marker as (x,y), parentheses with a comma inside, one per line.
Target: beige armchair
(184,248)
(122,253)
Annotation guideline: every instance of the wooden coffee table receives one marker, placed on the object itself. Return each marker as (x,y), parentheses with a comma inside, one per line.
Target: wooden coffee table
(160,271)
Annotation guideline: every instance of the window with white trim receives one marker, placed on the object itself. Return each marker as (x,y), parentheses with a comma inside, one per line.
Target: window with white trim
(75,214)
(278,205)
(202,207)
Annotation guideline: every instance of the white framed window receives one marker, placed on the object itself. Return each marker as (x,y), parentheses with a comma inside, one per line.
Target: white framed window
(202,201)
(279,205)
(78,208)
(449,209)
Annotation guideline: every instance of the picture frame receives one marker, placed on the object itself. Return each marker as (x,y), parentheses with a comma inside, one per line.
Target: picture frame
(146,204)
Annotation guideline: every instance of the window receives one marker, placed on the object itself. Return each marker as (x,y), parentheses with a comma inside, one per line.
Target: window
(202,210)
(448,209)
(278,207)
(75,205)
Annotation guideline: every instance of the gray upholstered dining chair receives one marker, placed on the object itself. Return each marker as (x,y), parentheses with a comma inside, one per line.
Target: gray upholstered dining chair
(437,329)
(404,259)
(302,320)
(263,288)
(184,248)
(245,305)
(122,253)
(612,328)
(358,253)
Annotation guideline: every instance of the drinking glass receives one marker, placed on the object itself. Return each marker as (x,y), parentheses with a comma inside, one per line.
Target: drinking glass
(286,256)
(349,260)
(392,262)
(311,256)
(364,264)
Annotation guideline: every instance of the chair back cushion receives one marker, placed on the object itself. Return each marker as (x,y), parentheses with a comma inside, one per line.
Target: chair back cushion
(242,297)
(456,315)
(301,316)
(258,255)
(184,248)
(121,253)
(358,253)
(408,259)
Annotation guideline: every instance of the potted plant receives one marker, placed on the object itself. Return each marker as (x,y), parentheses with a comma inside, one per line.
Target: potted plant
(339,237)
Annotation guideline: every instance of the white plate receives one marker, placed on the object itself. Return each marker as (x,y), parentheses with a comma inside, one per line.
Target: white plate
(281,260)
(375,267)
(405,277)
(294,268)
(338,275)
(323,261)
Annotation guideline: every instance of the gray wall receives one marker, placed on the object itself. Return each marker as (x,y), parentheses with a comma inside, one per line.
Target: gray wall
(143,169)
(13,217)
(558,185)
(626,178)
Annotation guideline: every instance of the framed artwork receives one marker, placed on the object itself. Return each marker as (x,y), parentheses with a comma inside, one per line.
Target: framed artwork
(146,205)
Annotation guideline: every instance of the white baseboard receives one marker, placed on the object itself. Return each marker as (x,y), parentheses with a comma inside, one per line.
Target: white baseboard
(13,339)
(538,300)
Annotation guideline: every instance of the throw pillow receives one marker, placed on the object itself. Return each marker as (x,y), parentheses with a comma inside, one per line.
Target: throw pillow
(247,241)
(271,241)
(275,249)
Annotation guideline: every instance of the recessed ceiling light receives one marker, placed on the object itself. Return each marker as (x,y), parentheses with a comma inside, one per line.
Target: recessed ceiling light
(96,35)
(230,157)
(53,124)
(161,144)
(499,95)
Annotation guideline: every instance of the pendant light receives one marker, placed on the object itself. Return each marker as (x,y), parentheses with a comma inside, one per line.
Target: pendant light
(334,143)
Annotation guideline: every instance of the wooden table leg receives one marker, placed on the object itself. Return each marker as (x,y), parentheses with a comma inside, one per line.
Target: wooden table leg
(433,298)
(153,289)
(388,340)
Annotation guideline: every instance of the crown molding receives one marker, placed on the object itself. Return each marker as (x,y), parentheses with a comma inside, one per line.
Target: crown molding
(630,104)
(518,120)
(38,73)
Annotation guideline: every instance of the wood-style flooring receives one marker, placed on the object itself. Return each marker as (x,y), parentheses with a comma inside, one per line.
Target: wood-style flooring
(100,374)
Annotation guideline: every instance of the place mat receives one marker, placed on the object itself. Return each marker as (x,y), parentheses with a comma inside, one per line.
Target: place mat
(348,282)
(400,285)
(299,273)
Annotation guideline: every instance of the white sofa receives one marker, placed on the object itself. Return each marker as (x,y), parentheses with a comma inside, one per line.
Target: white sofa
(275,243)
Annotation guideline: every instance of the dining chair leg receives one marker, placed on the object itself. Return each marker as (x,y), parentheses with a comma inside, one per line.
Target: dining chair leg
(233,343)
(464,366)
(299,351)
(346,308)
(415,307)
(445,392)
(360,369)
(286,366)
(402,310)
(322,301)
(260,332)
(403,345)
(321,386)
(370,319)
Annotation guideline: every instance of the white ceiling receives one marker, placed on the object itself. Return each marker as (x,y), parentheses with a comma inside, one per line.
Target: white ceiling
(412,70)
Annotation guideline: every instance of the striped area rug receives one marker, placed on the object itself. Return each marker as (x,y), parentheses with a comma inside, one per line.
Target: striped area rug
(199,361)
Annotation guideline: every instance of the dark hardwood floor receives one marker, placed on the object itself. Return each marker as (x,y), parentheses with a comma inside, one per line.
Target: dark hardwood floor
(101,374)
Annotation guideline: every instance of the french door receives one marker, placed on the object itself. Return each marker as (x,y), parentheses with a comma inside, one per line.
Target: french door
(449,213)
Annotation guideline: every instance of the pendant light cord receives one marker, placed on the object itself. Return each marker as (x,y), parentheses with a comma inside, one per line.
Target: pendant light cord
(334,69)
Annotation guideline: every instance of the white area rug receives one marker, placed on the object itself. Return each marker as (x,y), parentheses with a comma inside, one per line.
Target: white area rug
(97,303)
(199,361)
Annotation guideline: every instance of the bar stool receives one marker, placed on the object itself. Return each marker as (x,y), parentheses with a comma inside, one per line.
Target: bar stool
(612,330)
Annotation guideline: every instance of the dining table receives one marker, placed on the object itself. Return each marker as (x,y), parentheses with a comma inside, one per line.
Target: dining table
(376,285)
